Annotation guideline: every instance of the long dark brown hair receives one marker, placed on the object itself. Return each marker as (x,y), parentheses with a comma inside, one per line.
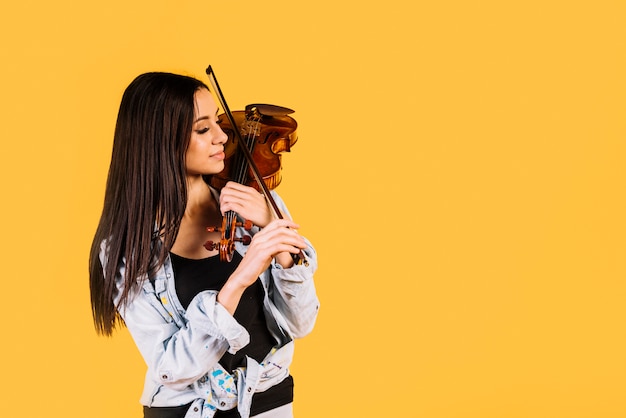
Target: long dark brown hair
(146,192)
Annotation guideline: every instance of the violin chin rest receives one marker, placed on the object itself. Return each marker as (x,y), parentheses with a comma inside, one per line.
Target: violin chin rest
(269,109)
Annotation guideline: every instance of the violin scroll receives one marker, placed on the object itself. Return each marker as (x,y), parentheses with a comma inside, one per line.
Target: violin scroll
(226,245)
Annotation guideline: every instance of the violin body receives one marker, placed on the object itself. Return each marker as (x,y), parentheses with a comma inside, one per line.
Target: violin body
(268,131)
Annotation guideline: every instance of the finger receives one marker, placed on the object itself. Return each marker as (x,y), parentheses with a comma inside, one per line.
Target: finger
(235,187)
(241,201)
(282,237)
(242,198)
(282,223)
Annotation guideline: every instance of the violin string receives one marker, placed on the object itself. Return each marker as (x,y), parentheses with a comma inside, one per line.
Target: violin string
(241,165)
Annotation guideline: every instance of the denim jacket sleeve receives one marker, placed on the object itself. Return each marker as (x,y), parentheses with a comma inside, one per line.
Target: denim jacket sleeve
(293,294)
(178,347)
(292,291)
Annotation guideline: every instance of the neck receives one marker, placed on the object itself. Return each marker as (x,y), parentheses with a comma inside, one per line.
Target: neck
(202,211)
(200,201)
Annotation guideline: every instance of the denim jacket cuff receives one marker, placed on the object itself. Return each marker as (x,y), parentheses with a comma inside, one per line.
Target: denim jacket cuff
(292,279)
(206,313)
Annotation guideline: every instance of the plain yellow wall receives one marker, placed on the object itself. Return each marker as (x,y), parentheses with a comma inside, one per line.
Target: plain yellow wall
(460,169)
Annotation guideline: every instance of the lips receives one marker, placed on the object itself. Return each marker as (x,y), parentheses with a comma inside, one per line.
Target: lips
(219,155)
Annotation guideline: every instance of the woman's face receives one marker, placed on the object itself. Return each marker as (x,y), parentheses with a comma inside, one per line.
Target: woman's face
(205,154)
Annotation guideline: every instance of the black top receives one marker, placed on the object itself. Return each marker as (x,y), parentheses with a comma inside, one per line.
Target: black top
(194,276)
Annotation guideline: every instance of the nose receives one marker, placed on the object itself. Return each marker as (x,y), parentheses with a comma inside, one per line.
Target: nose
(220,137)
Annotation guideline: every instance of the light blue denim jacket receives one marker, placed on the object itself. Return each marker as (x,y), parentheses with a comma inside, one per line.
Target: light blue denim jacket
(182,347)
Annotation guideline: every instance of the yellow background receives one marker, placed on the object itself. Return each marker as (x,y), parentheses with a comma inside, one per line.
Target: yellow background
(460,169)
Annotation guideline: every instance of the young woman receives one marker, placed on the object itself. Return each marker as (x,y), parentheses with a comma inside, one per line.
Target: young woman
(217,337)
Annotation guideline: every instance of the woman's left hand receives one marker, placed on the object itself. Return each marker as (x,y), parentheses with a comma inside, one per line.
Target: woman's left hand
(247,202)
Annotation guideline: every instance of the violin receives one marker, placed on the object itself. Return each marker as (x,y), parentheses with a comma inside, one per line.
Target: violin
(256,137)
(267,131)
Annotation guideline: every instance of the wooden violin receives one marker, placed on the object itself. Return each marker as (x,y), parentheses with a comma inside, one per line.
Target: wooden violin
(256,137)
(267,130)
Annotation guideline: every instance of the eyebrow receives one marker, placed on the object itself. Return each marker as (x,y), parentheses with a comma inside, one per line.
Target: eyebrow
(206,117)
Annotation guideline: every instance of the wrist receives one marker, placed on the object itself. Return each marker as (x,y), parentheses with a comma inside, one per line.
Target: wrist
(230,294)
(284,259)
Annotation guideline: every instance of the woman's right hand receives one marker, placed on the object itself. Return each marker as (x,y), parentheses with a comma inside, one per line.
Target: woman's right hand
(279,236)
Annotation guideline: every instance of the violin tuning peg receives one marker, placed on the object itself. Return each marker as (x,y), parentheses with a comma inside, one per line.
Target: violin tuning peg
(209,245)
(245,240)
(247,225)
